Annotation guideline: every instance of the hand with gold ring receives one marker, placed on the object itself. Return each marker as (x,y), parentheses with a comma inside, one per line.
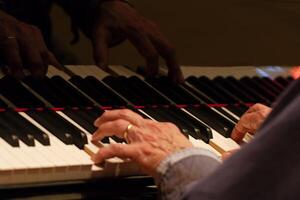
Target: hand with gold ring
(149,142)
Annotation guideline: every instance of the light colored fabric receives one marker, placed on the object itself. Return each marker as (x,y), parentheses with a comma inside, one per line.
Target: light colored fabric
(181,169)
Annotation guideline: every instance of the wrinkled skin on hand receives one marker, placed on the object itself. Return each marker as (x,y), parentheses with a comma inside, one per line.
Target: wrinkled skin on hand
(250,121)
(22,46)
(150,141)
(117,21)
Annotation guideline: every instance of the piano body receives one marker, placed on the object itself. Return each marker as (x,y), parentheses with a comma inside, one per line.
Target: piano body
(46,125)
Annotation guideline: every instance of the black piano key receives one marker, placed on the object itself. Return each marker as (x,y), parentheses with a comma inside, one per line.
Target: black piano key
(79,119)
(255,94)
(205,113)
(111,96)
(120,85)
(257,87)
(97,91)
(26,127)
(199,94)
(45,89)
(58,126)
(20,96)
(174,92)
(203,97)
(9,136)
(213,120)
(3,105)
(282,81)
(238,110)
(225,96)
(91,115)
(72,93)
(152,96)
(207,90)
(162,116)
(203,132)
(14,128)
(85,118)
(241,94)
(279,87)
(267,85)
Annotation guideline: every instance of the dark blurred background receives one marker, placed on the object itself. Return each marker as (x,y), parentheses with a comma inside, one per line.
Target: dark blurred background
(212,32)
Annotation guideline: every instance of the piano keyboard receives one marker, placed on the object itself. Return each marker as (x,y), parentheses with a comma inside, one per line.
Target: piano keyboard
(46,125)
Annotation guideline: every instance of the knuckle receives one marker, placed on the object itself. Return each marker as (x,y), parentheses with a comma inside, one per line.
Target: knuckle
(170,125)
(125,113)
(116,147)
(118,124)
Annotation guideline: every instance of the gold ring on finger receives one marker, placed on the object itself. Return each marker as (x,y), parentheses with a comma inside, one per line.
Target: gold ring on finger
(125,135)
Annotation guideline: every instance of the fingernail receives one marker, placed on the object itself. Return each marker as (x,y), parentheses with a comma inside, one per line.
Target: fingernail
(96,122)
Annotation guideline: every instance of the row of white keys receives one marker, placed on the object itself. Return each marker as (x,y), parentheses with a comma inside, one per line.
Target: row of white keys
(11,169)
(66,157)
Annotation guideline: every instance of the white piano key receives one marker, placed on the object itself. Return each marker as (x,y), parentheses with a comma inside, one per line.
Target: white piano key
(10,160)
(22,157)
(201,144)
(69,153)
(222,144)
(232,114)
(88,70)
(218,142)
(48,153)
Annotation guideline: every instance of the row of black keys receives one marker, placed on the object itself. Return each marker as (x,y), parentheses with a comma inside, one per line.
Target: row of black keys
(218,91)
(61,94)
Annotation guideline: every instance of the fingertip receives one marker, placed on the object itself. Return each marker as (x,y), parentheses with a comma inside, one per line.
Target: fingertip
(96,122)
(176,77)
(102,65)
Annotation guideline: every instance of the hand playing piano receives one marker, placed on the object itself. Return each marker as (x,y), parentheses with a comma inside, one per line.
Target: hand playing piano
(149,142)
(250,121)
(22,46)
(117,21)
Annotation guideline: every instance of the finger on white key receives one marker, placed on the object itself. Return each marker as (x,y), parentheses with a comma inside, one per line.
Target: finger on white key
(222,144)
(203,145)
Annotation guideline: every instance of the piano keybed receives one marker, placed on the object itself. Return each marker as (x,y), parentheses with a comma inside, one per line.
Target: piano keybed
(46,125)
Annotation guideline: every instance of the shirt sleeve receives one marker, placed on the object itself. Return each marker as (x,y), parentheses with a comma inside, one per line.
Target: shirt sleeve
(178,172)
